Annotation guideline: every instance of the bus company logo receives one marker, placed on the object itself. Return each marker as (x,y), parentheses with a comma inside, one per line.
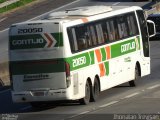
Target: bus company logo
(35,77)
(127,47)
(27,42)
(44,40)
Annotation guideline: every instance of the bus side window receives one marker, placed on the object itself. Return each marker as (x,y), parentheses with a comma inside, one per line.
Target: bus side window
(115,29)
(72,39)
(122,27)
(105,32)
(129,26)
(82,43)
(81,37)
(112,30)
(99,33)
(132,25)
(89,37)
(93,34)
(109,31)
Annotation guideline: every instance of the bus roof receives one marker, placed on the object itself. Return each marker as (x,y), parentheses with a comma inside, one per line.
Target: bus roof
(81,11)
(87,11)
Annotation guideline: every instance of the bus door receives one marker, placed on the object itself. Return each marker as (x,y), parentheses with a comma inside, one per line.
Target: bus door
(145,40)
(144,33)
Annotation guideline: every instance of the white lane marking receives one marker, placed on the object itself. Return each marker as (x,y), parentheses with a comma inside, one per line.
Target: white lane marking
(25,108)
(47,13)
(131,95)
(72,116)
(113,102)
(152,87)
(116,3)
(108,104)
(3,19)
(1,92)
(143,90)
(82,113)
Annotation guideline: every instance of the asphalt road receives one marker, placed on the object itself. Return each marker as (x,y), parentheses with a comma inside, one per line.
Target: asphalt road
(139,100)
(144,98)
(31,11)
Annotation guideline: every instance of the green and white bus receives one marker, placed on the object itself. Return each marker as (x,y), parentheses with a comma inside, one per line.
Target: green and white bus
(77,53)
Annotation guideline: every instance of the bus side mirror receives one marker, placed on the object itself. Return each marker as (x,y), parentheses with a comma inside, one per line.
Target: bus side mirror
(151,28)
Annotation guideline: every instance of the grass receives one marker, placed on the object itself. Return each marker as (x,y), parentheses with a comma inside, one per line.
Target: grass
(14,5)
(1,1)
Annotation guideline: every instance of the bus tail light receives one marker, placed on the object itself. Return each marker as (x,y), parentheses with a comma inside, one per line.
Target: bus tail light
(67,70)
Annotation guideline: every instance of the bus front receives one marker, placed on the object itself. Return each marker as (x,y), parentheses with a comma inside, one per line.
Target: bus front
(38,70)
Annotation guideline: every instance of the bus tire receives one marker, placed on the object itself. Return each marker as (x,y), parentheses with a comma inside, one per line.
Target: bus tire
(86,99)
(95,90)
(137,75)
(132,83)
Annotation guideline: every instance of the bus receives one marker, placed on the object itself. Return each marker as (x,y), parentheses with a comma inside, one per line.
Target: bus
(77,53)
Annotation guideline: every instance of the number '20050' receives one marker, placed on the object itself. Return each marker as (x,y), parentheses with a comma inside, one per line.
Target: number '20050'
(79,61)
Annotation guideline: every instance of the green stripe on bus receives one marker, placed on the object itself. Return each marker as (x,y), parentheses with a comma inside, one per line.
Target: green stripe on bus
(33,41)
(103,53)
(123,48)
(137,40)
(79,61)
(107,67)
(38,66)
(59,39)
(92,57)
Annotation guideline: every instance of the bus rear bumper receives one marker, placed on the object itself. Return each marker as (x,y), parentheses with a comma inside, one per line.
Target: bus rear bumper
(33,96)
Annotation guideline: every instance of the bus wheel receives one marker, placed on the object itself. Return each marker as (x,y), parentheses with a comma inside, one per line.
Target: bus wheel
(137,75)
(86,99)
(132,83)
(95,90)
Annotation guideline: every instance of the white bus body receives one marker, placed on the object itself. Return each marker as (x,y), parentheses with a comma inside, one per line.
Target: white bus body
(53,59)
